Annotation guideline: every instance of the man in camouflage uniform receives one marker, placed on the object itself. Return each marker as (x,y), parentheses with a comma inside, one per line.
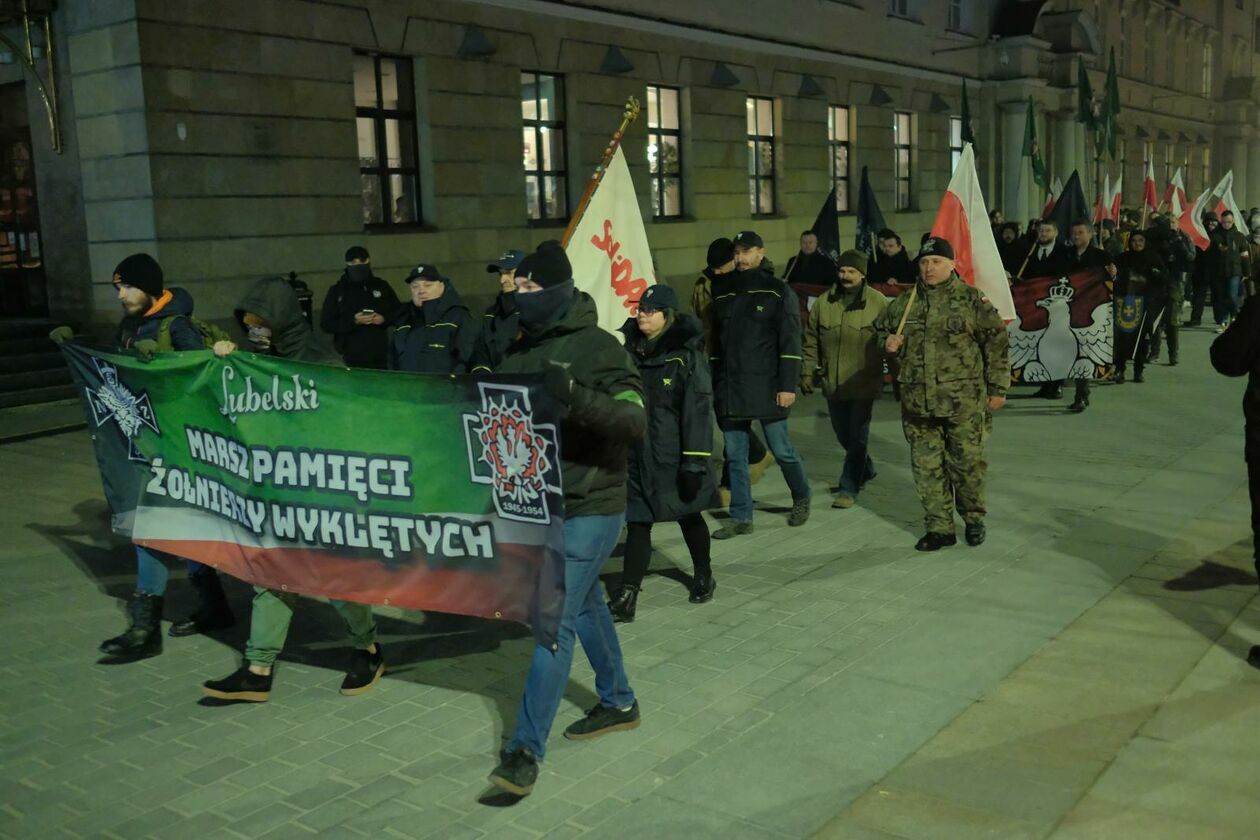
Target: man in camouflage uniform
(953,373)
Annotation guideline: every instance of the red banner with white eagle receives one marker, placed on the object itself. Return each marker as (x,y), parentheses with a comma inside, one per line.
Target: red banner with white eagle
(1062,328)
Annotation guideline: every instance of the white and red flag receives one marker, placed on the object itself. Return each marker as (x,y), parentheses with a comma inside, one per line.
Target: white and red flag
(963,220)
(1113,199)
(1175,195)
(1191,221)
(1102,210)
(1056,190)
(609,248)
(1224,192)
(1150,199)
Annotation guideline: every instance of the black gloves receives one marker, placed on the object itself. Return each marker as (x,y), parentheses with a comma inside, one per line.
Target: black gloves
(558,383)
(689,485)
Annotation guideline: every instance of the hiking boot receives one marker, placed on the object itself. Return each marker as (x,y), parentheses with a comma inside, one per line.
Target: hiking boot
(242,685)
(757,470)
(800,513)
(1172,359)
(364,671)
(602,720)
(517,772)
(734,529)
(1080,405)
(932,541)
(974,532)
(1139,375)
(702,589)
(143,636)
(623,604)
(844,501)
(212,613)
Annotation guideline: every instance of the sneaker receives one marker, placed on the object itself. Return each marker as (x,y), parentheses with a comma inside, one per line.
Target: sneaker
(735,529)
(702,589)
(602,720)
(800,513)
(242,685)
(364,671)
(932,541)
(757,470)
(844,501)
(517,771)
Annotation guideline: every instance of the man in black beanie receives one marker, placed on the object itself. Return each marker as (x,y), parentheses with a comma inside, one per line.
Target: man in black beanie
(357,310)
(588,372)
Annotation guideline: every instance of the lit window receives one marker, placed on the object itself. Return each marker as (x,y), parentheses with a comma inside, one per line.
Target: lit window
(542,116)
(385,119)
(760,116)
(664,151)
(955,142)
(902,160)
(838,139)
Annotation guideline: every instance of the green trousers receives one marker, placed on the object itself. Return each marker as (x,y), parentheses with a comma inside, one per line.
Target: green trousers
(947,460)
(273,611)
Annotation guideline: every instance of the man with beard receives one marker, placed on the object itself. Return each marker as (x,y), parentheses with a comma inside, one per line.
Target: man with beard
(891,264)
(1140,295)
(157,319)
(357,311)
(1083,256)
(1011,247)
(434,333)
(272,316)
(1049,257)
(840,342)
(810,266)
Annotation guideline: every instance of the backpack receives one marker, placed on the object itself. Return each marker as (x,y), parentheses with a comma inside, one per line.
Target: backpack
(209,332)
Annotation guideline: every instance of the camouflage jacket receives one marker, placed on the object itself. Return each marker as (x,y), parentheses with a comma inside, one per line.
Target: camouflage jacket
(955,353)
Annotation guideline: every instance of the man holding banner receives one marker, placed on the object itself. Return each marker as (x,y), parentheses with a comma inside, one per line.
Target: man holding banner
(588,372)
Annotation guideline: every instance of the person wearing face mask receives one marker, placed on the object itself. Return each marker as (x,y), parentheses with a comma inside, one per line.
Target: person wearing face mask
(1141,293)
(357,311)
(272,316)
(501,323)
(841,344)
(669,479)
(434,333)
(1208,265)
(157,319)
(591,376)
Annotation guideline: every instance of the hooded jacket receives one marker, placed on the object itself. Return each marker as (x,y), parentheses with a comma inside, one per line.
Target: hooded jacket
(1236,352)
(275,301)
(439,337)
(678,396)
(499,327)
(184,336)
(360,345)
(840,339)
(756,350)
(606,414)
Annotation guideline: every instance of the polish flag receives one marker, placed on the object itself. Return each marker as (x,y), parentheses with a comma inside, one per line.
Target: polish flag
(1149,199)
(1056,190)
(1175,195)
(963,220)
(1191,221)
(1224,192)
(1113,200)
(1103,208)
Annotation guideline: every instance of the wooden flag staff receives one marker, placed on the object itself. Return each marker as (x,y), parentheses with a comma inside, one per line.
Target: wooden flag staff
(630,115)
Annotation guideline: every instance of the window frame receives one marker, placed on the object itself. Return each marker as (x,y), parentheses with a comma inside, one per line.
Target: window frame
(955,152)
(660,177)
(1205,89)
(757,175)
(908,175)
(542,174)
(383,171)
(833,146)
(955,16)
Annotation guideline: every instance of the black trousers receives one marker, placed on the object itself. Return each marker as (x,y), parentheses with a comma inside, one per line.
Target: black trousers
(1253,479)
(639,548)
(1198,299)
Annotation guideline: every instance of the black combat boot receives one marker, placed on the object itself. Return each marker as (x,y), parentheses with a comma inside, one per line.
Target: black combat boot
(1138,374)
(143,636)
(212,613)
(933,541)
(702,588)
(623,604)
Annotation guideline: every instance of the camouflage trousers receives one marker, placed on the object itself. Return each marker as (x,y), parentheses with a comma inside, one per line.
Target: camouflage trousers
(947,459)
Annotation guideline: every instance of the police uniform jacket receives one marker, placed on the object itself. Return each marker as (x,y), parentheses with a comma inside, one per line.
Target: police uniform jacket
(756,349)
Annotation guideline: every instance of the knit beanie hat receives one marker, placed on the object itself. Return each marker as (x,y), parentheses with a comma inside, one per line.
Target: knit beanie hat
(142,272)
(853,259)
(721,251)
(548,266)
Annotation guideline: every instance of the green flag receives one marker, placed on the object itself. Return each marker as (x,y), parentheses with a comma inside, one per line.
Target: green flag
(1033,150)
(1084,97)
(1111,105)
(968,132)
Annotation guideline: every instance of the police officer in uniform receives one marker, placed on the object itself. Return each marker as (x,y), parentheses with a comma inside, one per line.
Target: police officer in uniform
(953,373)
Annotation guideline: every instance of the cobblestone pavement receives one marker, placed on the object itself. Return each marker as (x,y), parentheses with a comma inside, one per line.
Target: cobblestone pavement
(1079,675)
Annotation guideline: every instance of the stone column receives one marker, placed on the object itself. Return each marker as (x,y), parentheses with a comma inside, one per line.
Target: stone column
(1016,173)
(1238,148)
(1064,126)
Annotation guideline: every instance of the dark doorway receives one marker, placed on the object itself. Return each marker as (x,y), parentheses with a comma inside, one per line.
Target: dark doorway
(22,286)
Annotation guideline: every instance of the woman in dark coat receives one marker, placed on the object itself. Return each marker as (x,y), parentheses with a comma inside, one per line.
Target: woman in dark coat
(669,477)
(1141,293)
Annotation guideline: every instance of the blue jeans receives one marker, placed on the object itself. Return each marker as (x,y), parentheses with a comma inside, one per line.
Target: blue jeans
(588,540)
(851,420)
(152,574)
(1226,299)
(735,435)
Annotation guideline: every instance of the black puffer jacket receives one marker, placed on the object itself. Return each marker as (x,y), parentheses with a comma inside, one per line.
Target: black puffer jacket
(499,328)
(276,302)
(1236,352)
(679,399)
(606,413)
(439,337)
(360,345)
(756,345)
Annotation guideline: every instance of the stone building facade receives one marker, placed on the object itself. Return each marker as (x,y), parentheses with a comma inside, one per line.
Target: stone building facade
(240,138)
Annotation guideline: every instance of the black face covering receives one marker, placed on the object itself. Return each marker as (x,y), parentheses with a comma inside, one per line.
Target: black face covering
(542,309)
(359,273)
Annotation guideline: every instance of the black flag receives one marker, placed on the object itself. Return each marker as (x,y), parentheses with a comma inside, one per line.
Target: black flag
(870,221)
(1070,207)
(827,227)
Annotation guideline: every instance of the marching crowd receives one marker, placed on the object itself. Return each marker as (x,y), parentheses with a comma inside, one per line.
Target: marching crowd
(640,412)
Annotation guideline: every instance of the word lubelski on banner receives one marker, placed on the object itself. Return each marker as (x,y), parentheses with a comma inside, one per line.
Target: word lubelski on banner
(607,243)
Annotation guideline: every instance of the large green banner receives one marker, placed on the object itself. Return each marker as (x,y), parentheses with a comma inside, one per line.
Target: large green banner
(427,492)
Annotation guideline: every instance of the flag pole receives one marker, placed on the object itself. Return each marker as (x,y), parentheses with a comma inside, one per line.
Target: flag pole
(628,116)
(901,327)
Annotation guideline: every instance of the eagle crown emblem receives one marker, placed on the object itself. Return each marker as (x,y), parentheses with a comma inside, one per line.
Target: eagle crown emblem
(1062,291)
